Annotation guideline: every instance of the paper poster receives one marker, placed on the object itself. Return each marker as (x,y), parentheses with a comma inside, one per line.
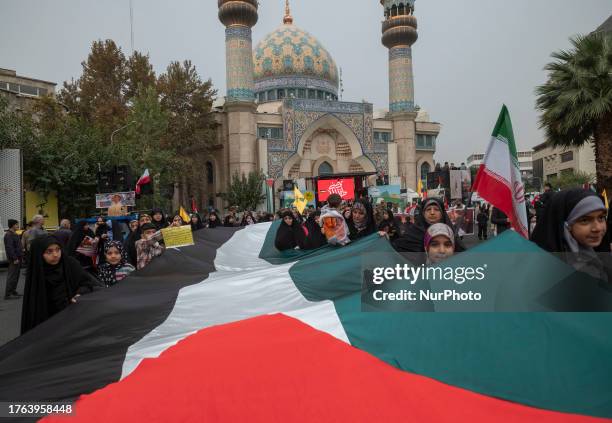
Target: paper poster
(180,236)
(116,199)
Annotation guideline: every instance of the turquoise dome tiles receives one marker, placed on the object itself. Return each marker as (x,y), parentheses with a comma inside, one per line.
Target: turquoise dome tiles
(290,52)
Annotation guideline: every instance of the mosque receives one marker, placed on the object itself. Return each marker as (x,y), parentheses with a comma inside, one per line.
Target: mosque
(283,114)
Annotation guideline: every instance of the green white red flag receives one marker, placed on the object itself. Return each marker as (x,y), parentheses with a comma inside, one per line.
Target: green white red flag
(499,178)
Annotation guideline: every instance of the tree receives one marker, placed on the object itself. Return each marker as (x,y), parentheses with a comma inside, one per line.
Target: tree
(246,191)
(576,101)
(142,145)
(16,130)
(191,125)
(575,179)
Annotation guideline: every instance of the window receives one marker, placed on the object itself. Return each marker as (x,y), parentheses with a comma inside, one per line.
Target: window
(325,169)
(568,156)
(280,94)
(312,94)
(320,95)
(566,172)
(425,169)
(270,133)
(381,137)
(209,173)
(261,97)
(551,177)
(426,142)
(291,93)
(28,90)
(301,93)
(271,95)
(13,87)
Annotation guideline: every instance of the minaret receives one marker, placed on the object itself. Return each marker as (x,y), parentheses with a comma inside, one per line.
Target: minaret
(399,31)
(239,16)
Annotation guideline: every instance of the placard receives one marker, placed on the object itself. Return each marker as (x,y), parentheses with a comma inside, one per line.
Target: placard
(345,187)
(119,199)
(179,236)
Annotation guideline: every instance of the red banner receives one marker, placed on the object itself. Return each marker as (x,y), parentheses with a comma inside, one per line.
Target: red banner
(344,187)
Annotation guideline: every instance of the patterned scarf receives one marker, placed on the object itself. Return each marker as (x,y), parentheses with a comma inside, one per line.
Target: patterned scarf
(110,274)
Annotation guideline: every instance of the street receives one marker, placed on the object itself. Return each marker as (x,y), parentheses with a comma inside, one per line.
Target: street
(10,310)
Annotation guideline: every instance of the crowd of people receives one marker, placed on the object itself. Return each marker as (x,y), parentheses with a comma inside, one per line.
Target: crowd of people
(75,260)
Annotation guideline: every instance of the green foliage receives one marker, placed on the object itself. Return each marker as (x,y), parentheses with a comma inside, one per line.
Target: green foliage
(576,179)
(16,130)
(245,191)
(164,125)
(576,101)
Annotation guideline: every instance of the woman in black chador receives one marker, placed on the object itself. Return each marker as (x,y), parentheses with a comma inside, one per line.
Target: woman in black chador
(431,212)
(54,280)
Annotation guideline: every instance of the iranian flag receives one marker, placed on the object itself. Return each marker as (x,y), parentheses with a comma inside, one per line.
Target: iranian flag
(232,330)
(499,178)
(142,182)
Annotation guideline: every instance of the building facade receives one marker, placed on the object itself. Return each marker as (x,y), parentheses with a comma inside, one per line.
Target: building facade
(21,91)
(551,162)
(525,159)
(282,113)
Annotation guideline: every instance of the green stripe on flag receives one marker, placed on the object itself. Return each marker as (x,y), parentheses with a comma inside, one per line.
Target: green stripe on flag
(503,131)
(555,361)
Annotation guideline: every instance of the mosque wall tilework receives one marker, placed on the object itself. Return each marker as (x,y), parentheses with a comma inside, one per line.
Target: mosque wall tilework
(401,83)
(239,64)
(299,115)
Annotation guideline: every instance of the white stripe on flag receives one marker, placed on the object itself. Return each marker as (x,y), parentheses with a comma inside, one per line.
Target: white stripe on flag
(243,286)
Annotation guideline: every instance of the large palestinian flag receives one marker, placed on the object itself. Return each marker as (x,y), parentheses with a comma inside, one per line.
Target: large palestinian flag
(233,330)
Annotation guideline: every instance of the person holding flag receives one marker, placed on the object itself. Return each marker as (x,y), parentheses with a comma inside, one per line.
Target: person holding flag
(498,180)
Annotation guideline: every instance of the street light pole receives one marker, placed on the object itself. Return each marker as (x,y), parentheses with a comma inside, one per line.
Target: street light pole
(119,129)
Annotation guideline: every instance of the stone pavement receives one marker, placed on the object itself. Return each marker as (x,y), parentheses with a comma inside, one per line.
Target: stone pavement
(10,310)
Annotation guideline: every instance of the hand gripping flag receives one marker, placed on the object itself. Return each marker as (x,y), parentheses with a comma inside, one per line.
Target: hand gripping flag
(498,180)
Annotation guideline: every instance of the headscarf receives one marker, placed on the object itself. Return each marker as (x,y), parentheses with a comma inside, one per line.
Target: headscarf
(315,238)
(565,207)
(161,224)
(48,289)
(213,223)
(289,237)
(361,223)
(196,226)
(413,240)
(438,229)
(77,237)
(107,273)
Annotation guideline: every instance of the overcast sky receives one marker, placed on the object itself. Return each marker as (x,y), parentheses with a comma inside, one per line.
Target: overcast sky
(471,56)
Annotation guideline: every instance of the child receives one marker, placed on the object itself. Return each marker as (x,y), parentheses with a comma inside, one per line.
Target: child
(439,243)
(116,267)
(574,224)
(148,246)
(333,225)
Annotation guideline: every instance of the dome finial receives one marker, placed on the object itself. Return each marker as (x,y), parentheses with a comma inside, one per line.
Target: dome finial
(288,19)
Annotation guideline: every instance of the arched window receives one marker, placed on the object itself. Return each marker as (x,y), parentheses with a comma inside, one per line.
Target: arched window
(425,169)
(394,10)
(400,9)
(325,169)
(210,175)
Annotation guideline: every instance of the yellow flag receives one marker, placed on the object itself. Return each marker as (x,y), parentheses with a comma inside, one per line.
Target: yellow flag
(420,188)
(605,196)
(184,215)
(299,202)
